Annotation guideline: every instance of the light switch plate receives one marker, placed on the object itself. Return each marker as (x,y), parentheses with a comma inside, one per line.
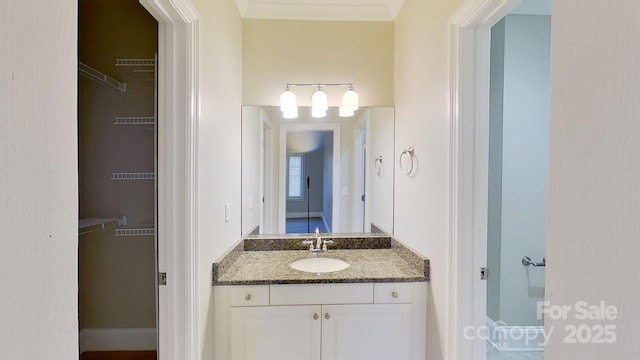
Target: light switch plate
(227,212)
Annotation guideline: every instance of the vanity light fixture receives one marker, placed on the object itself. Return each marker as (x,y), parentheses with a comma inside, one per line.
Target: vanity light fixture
(319,101)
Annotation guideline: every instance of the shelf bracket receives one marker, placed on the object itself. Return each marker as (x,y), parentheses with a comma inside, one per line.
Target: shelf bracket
(93,74)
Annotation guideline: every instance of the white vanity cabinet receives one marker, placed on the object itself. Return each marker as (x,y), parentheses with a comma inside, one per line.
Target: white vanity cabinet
(367,331)
(275,333)
(321,322)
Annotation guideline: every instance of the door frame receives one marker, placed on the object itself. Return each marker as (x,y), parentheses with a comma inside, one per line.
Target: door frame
(470,47)
(266,175)
(360,209)
(178,49)
(282,208)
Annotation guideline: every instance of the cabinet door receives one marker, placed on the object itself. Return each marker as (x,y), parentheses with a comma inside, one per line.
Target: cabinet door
(366,332)
(275,333)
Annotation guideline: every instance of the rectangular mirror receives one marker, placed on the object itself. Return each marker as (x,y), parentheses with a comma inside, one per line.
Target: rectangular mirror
(332,173)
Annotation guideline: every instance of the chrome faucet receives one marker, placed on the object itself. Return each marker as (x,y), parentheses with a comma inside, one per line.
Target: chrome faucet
(321,246)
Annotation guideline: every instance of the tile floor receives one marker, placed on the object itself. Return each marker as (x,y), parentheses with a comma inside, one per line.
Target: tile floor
(300,226)
(493,354)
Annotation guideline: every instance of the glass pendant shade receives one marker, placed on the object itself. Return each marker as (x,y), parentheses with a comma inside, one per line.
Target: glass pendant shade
(319,104)
(346,111)
(290,113)
(288,104)
(350,100)
(318,112)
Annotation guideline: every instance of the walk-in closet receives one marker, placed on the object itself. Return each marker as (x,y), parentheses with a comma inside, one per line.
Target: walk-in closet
(117,163)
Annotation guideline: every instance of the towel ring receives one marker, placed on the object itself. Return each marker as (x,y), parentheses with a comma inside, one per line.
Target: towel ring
(411,152)
(378,165)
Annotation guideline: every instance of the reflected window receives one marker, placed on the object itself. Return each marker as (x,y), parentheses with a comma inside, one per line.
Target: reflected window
(295,169)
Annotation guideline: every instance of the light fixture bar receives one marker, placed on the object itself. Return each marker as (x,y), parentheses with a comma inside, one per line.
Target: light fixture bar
(318,85)
(319,101)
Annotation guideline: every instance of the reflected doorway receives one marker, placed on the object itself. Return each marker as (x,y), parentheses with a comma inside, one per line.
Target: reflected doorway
(309,178)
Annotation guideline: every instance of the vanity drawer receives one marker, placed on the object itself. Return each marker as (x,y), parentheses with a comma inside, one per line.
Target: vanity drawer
(257,295)
(392,293)
(325,294)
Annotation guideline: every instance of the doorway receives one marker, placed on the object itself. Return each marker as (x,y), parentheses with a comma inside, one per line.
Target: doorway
(309,167)
(517,184)
(361,222)
(469,270)
(309,177)
(117,143)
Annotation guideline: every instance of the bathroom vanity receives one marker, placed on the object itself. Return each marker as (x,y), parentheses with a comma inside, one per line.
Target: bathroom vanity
(373,309)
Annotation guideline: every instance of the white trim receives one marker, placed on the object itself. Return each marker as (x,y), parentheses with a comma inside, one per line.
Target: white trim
(267,170)
(178,43)
(469,37)
(515,338)
(127,339)
(284,128)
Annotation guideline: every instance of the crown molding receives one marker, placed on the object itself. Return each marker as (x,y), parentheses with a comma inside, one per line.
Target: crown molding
(348,10)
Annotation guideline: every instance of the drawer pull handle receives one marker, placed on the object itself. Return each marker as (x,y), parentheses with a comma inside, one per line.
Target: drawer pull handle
(394,295)
(248,297)
(327,316)
(316,316)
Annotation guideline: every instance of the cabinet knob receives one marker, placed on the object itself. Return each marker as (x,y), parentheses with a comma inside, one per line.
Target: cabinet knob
(316,316)
(327,316)
(394,295)
(248,297)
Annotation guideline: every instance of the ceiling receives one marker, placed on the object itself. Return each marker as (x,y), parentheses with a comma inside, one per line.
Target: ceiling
(343,10)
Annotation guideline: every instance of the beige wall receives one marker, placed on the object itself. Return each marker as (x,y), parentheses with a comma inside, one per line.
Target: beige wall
(277,52)
(592,243)
(219,129)
(422,121)
(38,181)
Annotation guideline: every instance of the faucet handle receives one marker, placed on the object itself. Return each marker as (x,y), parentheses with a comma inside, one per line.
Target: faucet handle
(308,242)
(324,246)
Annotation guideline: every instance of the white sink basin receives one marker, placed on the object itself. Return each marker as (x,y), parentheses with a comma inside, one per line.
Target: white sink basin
(319,265)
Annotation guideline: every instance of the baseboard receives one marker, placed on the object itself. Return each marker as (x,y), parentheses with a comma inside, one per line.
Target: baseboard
(128,339)
(515,338)
(303,215)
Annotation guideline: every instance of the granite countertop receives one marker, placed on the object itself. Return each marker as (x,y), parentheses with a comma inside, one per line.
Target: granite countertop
(263,261)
